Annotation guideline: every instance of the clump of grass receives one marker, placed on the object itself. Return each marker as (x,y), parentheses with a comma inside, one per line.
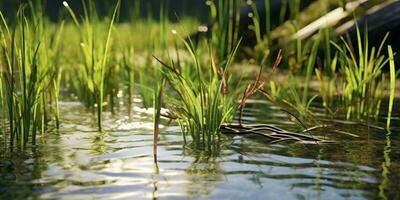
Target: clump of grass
(95,48)
(28,73)
(363,78)
(202,103)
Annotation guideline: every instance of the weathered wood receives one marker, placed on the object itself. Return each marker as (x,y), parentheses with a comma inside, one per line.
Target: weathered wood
(271,133)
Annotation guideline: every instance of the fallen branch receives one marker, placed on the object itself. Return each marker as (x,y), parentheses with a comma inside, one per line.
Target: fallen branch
(270,132)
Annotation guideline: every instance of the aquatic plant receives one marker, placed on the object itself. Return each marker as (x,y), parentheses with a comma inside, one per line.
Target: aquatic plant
(32,77)
(255,16)
(149,85)
(49,59)
(28,73)
(327,74)
(362,73)
(224,35)
(309,71)
(287,8)
(202,103)
(290,8)
(392,86)
(95,48)
(128,73)
(295,91)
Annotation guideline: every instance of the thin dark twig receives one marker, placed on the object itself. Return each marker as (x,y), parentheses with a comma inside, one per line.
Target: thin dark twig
(157,122)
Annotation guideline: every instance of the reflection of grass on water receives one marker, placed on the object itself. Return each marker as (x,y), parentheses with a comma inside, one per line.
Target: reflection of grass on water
(386,164)
(205,169)
(392,86)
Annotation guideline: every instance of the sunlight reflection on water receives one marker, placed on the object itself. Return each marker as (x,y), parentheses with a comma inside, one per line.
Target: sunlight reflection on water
(80,163)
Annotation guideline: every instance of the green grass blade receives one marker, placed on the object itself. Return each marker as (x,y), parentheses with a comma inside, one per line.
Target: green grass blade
(392,86)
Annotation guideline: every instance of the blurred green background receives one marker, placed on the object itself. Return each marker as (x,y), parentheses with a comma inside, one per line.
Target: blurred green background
(191,8)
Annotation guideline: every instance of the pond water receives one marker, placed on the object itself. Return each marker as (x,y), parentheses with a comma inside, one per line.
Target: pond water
(77,162)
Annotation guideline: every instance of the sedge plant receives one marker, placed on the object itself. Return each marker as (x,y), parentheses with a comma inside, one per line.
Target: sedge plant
(225,16)
(263,41)
(49,58)
(95,48)
(363,82)
(27,75)
(202,103)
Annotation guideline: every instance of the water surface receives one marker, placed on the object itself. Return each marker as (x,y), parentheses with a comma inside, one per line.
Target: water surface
(77,162)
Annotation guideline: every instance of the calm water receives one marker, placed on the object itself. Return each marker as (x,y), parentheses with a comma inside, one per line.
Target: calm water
(77,162)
